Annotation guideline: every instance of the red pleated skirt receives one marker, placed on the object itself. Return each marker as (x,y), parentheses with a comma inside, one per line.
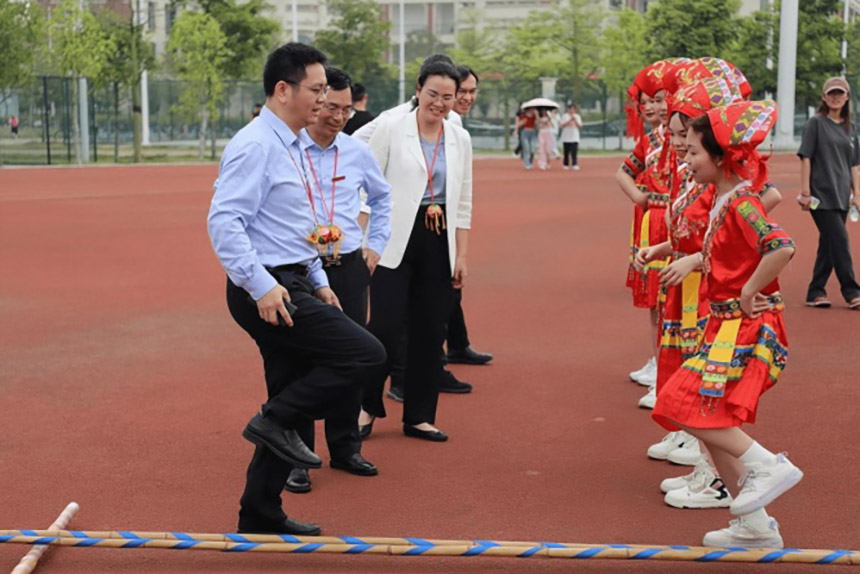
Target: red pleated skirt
(760,354)
(671,355)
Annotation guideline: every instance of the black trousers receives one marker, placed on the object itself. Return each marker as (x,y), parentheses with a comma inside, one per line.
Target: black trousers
(349,281)
(420,289)
(834,252)
(312,371)
(458,335)
(570,151)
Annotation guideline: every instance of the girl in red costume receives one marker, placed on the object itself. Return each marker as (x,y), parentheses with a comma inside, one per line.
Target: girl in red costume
(744,346)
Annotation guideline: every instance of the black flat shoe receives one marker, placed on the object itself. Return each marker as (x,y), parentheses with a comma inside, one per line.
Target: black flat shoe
(434,436)
(298,482)
(288,526)
(365,430)
(285,443)
(395,394)
(469,356)
(356,464)
(450,384)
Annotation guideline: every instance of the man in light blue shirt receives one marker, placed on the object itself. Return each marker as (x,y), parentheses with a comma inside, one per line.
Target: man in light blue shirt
(340,167)
(314,357)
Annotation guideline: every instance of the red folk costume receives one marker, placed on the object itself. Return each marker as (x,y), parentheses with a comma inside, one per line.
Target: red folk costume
(641,165)
(684,310)
(740,357)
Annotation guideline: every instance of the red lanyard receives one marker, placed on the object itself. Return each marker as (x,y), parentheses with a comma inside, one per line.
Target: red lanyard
(305,183)
(329,212)
(432,165)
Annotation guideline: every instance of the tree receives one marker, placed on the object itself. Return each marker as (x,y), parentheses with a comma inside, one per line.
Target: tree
(819,38)
(357,37)
(197,49)
(624,51)
(81,48)
(574,26)
(754,48)
(248,35)
(22,26)
(691,28)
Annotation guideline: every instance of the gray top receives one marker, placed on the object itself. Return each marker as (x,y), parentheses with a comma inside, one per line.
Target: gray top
(439,171)
(832,153)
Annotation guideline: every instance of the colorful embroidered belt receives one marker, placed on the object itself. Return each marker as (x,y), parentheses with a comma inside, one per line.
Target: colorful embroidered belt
(658,200)
(731,308)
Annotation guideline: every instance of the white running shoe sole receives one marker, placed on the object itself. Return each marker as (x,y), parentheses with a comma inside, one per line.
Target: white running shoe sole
(717,539)
(775,491)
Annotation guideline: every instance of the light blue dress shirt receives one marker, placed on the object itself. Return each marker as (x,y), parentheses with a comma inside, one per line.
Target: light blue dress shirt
(359,170)
(261,215)
(439,172)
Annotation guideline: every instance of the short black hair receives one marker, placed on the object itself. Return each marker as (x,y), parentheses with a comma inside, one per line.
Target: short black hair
(337,79)
(435,59)
(358,92)
(288,63)
(702,126)
(438,69)
(465,72)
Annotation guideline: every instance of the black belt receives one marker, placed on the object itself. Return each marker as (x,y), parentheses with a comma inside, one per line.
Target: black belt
(294,268)
(331,261)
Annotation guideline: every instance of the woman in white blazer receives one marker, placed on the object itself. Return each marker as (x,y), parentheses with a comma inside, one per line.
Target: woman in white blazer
(428,162)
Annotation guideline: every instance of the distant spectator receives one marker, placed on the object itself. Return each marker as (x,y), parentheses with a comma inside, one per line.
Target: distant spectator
(571,122)
(13,123)
(256,111)
(545,129)
(359,104)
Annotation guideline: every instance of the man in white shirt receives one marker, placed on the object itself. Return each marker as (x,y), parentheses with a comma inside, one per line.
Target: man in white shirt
(570,124)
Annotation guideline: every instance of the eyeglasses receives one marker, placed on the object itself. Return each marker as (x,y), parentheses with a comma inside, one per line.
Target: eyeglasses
(435,96)
(335,110)
(317,90)
(472,92)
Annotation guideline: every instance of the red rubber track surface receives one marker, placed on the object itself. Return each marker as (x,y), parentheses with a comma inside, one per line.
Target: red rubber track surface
(125,384)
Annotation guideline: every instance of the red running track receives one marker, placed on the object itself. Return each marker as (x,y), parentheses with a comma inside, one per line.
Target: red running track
(125,384)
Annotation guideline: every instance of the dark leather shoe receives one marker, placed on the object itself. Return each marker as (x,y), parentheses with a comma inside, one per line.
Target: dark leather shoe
(356,464)
(468,356)
(434,436)
(288,526)
(285,443)
(395,394)
(298,482)
(450,384)
(365,430)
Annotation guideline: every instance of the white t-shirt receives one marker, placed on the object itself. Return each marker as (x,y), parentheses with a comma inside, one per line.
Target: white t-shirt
(570,134)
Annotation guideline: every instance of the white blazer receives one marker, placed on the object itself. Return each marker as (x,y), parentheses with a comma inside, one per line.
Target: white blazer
(397,149)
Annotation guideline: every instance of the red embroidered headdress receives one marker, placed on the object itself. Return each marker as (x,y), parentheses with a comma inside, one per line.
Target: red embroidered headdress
(739,128)
(649,81)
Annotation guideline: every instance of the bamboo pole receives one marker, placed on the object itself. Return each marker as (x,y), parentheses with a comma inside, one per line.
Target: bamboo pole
(31,559)
(181,541)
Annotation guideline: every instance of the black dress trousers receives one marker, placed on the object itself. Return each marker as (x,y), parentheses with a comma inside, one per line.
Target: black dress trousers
(350,280)
(312,370)
(834,253)
(420,289)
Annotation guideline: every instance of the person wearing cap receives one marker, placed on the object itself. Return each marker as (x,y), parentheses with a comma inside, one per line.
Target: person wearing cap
(744,347)
(830,156)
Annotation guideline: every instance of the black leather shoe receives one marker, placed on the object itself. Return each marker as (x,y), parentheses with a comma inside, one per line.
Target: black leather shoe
(356,464)
(298,482)
(468,356)
(395,394)
(365,430)
(285,443)
(288,526)
(450,384)
(434,436)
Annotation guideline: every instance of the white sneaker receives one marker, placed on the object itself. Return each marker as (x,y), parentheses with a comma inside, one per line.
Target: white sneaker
(700,494)
(761,484)
(650,399)
(647,375)
(741,533)
(565,168)
(576,168)
(702,473)
(689,454)
(673,440)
